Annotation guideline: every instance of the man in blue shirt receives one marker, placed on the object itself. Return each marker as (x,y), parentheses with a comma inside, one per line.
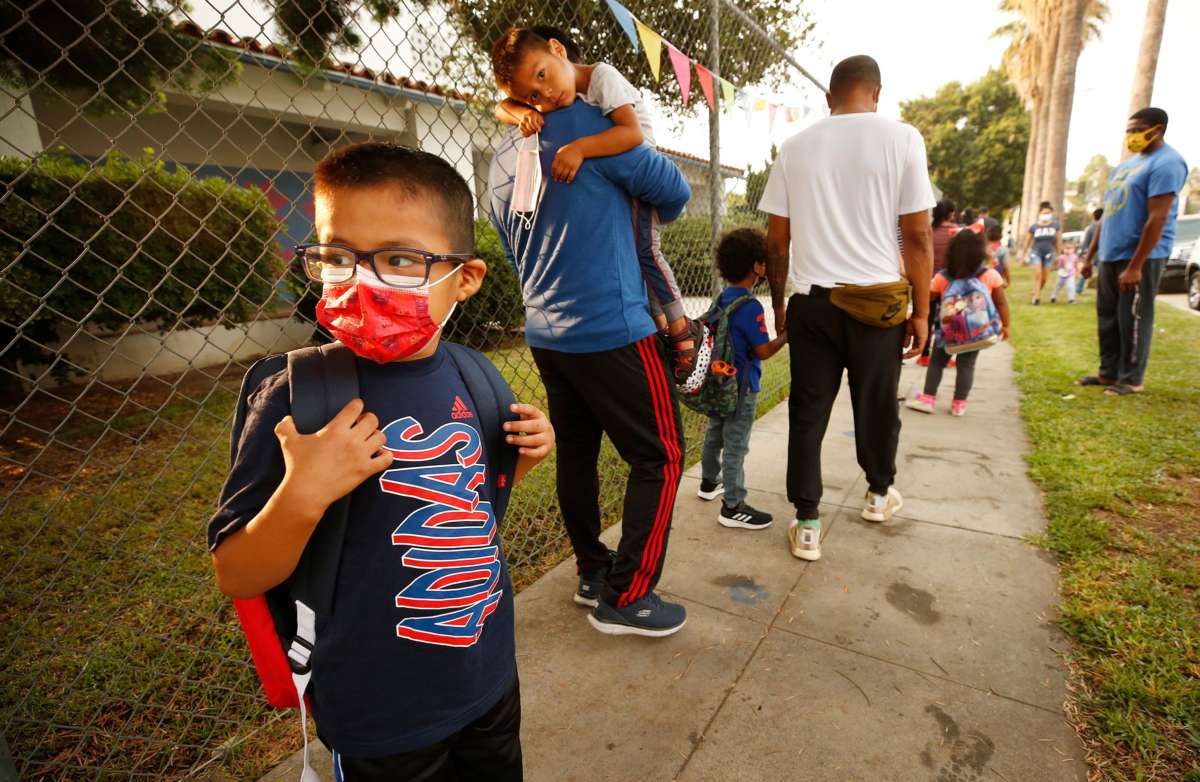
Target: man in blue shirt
(588,324)
(1131,244)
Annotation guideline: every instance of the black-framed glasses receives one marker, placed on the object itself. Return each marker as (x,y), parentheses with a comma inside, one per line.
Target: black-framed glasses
(399,267)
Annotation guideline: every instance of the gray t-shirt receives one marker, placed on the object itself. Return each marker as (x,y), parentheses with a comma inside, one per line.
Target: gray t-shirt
(1045,237)
(609,90)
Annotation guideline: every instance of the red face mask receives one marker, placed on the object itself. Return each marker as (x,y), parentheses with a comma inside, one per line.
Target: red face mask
(377,321)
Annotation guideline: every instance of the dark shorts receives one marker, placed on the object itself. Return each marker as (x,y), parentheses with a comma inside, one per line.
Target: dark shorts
(1043,257)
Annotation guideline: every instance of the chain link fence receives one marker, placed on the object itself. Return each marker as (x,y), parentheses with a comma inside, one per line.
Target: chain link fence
(155,161)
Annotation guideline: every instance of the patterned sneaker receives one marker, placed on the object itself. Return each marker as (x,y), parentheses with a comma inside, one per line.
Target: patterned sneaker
(958,407)
(805,539)
(923,361)
(922,403)
(743,516)
(880,507)
(690,364)
(710,490)
(651,616)
(592,584)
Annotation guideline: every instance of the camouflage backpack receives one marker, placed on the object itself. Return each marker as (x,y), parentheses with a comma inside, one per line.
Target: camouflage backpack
(718,393)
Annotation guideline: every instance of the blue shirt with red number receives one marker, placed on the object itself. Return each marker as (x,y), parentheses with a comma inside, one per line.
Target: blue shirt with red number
(420,643)
(747,330)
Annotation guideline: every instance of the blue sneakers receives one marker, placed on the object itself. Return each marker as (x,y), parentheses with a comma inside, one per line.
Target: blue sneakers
(591,585)
(650,616)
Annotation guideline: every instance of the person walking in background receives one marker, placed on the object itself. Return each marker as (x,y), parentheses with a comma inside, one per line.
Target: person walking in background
(944,229)
(833,200)
(1088,234)
(967,261)
(989,222)
(1065,273)
(1130,246)
(998,250)
(1046,238)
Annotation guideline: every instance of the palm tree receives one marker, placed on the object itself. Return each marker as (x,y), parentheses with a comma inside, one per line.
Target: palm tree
(1147,64)
(1020,62)
(1079,22)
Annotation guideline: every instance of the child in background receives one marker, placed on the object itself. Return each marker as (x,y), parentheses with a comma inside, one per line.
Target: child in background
(742,262)
(1067,266)
(403,688)
(538,69)
(999,251)
(966,257)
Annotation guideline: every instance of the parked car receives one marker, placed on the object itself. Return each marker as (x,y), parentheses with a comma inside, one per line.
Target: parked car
(1175,272)
(1193,277)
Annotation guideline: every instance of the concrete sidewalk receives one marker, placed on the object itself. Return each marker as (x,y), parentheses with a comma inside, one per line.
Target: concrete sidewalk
(920,649)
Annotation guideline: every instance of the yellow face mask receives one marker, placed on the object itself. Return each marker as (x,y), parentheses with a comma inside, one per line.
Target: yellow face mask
(1136,142)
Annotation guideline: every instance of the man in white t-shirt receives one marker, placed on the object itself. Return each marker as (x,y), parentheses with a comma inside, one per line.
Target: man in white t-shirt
(834,197)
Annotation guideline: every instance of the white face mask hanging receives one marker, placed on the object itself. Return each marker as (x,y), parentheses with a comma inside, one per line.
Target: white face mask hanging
(527,183)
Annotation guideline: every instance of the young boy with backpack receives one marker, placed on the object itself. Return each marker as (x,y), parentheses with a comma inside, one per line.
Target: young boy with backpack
(973,315)
(358,526)
(730,391)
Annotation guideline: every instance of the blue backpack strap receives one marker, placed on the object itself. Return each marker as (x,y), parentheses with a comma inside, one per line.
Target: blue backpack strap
(321,380)
(493,399)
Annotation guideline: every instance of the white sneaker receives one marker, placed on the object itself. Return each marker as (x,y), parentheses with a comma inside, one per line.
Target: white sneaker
(805,539)
(880,507)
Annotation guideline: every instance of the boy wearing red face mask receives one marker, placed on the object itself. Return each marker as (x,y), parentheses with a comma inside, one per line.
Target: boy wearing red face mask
(416,678)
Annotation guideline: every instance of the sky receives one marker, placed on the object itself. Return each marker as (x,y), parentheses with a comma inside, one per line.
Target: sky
(922,44)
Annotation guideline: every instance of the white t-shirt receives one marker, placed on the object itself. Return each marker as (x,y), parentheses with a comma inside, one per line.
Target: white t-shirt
(609,90)
(843,183)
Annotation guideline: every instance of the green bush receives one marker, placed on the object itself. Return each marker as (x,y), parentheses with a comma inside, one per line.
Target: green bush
(494,315)
(686,244)
(126,241)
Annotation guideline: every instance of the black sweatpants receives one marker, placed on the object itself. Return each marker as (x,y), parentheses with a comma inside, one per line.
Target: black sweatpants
(489,748)
(823,341)
(1124,331)
(624,393)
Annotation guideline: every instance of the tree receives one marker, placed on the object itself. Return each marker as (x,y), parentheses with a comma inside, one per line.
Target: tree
(1147,64)
(976,137)
(1062,95)
(1089,188)
(111,56)
(316,27)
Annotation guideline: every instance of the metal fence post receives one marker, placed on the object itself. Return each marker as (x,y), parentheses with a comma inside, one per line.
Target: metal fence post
(715,183)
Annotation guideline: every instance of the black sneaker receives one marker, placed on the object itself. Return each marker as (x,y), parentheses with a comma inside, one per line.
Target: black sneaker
(592,584)
(710,490)
(650,616)
(743,516)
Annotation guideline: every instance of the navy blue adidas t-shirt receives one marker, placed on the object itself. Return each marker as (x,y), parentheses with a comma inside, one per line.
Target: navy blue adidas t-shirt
(421,639)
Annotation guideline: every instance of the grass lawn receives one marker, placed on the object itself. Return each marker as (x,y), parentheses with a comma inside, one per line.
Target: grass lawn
(1121,479)
(119,656)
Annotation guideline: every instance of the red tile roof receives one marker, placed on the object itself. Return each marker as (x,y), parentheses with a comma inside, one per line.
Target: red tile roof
(357,70)
(730,170)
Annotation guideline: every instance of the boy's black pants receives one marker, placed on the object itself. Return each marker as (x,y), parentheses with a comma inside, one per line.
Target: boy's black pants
(823,341)
(489,748)
(626,394)
(1123,357)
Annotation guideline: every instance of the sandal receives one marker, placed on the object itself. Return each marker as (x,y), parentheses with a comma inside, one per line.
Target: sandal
(1120,389)
(1094,380)
(688,355)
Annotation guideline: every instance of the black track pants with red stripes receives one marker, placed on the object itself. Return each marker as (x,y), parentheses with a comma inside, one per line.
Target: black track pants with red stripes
(626,394)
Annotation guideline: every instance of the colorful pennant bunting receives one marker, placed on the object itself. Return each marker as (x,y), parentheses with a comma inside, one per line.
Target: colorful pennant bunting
(727,92)
(771,124)
(683,71)
(652,42)
(625,19)
(705,77)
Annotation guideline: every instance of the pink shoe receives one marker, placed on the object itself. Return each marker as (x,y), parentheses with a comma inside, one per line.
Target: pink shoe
(922,403)
(958,407)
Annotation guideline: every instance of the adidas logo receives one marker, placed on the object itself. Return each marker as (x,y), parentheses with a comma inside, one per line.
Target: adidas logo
(459,409)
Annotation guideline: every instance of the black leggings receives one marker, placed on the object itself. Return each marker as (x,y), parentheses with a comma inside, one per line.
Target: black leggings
(963,380)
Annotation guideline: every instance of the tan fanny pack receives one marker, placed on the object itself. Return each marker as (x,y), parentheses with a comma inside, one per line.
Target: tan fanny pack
(883,305)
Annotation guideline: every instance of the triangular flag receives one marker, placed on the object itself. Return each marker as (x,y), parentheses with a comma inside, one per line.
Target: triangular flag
(771,123)
(760,104)
(705,77)
(793,114)
(625,19)
(683,71)
(727,92)
(652,42)
(806,110)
